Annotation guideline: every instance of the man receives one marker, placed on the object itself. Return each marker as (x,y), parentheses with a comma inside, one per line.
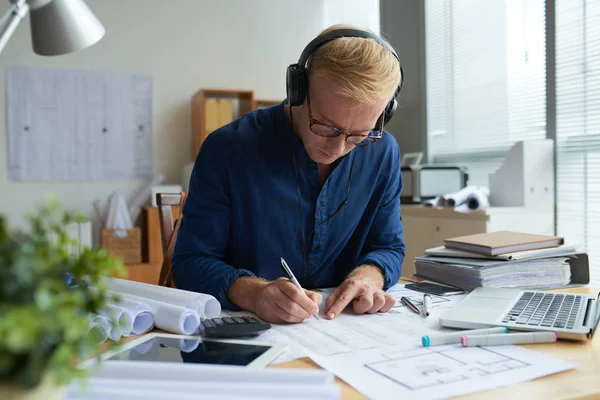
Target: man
(315,181)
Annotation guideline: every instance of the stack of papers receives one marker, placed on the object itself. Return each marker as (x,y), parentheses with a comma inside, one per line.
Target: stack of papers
(469,274)
(139,380)
(535,269)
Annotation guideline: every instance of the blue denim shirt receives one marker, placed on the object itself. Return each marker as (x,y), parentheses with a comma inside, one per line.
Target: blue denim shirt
(248,205)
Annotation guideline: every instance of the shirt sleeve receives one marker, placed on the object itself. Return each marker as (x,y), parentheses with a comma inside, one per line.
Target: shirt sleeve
(384,246)
(203,237)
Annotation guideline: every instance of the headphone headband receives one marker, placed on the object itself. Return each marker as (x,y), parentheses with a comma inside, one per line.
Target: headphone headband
(340,33)
(296,77)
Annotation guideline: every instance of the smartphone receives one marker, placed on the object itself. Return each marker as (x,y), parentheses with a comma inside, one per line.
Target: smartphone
(433,288)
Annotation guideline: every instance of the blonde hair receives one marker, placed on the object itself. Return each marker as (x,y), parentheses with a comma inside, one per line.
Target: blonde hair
(363,69)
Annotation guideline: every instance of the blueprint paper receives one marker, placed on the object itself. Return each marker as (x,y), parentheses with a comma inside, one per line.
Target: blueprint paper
(440,371)
(350,332)
(72,125)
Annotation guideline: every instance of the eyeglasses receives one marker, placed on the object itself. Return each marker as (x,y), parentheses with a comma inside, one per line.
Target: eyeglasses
(329,131)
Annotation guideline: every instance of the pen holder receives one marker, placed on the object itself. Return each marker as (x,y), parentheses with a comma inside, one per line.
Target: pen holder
(124,243)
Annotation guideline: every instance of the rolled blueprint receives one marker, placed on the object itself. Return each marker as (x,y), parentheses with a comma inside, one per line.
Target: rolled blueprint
(100,326)
(205,305)
(105,324)
(143,319)
(457,198)
(119,317)
(170,317)
(476,200)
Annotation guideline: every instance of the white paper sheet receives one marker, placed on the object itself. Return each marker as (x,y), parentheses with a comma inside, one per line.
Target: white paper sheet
(161,389)
(174,372)
(350,332)
(439,371)
(205,305)
(72,125)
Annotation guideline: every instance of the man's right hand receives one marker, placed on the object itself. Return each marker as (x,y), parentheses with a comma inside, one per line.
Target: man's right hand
(278,301)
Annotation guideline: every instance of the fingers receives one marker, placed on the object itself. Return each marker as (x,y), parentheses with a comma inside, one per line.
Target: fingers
(378,303)
(389,303)
(362,304)
(315,297)
(348,291)
(300,304)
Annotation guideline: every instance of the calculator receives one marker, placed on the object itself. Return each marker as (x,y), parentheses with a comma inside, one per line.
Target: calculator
(231,327)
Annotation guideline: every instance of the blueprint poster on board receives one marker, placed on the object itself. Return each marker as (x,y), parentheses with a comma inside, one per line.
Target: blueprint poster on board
(71,125)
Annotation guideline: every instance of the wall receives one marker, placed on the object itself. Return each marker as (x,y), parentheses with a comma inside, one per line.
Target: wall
(186,45)
(403,25)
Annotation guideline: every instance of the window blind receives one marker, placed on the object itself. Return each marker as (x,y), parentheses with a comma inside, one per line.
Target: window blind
(578,125)
(485,71)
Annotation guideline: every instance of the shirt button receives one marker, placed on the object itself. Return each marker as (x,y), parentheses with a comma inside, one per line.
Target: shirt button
(317,247)
(321,205)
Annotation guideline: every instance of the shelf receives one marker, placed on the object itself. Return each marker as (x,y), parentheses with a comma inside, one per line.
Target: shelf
(213,108)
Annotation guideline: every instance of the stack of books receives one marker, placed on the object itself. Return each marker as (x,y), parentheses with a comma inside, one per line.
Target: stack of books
(500,259)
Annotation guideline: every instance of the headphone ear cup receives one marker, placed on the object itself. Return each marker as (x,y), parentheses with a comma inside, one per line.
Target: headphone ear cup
(390,109)
(296,84)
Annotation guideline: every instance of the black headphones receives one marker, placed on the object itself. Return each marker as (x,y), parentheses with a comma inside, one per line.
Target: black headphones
(297,80)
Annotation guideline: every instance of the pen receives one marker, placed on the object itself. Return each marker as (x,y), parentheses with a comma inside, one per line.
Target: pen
(409,304)
(291,276)
(427,304)
(508,338)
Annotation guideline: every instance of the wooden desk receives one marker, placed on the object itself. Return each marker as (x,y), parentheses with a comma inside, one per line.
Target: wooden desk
(580,383)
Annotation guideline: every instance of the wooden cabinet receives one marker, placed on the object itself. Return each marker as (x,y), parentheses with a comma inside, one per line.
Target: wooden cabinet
(426,227)
(152,254)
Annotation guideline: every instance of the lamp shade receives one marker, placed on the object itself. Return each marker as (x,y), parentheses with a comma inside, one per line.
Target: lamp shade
(64,26)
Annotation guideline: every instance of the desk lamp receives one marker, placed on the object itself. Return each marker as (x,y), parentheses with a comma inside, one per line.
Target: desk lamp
(57,26)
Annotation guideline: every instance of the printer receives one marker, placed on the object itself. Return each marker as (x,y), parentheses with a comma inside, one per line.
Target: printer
(422,182)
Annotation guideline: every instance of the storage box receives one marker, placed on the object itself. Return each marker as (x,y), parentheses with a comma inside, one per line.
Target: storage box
(124,243)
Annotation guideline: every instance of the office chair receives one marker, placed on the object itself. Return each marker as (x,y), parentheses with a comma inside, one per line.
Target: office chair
(169,226)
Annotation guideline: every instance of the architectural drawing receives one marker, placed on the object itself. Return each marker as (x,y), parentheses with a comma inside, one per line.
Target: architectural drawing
(428,367)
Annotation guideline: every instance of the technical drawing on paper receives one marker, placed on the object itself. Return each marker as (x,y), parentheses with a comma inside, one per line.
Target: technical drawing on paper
(70,125)
(426,367)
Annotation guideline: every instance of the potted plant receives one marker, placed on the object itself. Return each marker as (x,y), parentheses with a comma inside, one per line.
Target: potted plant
(46,295)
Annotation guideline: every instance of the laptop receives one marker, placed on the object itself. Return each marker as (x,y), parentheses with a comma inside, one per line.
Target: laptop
(571,316)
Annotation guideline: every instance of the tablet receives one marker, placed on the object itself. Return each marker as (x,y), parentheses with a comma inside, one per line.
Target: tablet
(163,347)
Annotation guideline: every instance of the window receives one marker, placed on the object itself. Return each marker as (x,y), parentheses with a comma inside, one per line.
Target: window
(578,125)
(486,81)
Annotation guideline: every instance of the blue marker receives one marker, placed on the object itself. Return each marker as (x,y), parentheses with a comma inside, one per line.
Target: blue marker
(455,337)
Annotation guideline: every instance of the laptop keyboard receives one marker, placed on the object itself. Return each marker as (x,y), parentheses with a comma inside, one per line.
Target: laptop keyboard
(545,309)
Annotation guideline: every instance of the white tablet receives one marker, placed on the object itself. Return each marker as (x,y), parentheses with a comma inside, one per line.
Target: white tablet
(163,347)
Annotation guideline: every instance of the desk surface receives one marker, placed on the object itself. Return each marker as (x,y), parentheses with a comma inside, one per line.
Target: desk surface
(580,383)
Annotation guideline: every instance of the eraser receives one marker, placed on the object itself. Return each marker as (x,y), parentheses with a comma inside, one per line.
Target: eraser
(554,337)
(505,330)
(464,341)
(425,341)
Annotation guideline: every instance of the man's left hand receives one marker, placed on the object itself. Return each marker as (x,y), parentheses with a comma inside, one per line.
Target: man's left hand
(363,288)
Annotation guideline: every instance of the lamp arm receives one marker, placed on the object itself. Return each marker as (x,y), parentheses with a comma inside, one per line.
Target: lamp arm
(14,15)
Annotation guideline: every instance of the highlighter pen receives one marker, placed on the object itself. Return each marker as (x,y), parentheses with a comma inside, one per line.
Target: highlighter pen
(454,337)
(509,338)
(410,305)
(427,305)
